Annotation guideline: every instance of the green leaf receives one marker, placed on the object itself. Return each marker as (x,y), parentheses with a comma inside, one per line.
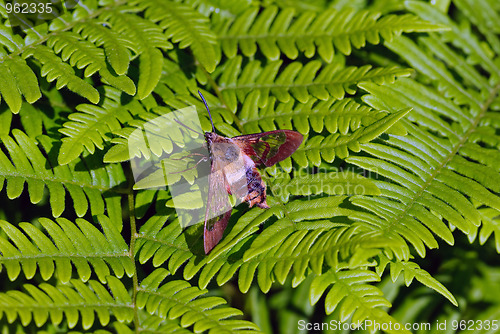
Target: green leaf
(180,300)
(47,299)
(151,61)
(9,90)
(185,26)
(80,244)
(351,293)
(53,68)
(288,31)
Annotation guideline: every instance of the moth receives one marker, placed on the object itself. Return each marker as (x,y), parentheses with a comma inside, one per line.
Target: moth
(233,171)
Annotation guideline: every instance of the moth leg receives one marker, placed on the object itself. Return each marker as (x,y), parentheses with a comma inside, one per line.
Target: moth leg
(190,155)
(187,127)
(185,170)
(228,189)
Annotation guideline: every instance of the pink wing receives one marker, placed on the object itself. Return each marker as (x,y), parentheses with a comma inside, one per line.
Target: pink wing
(268,148)
(218,209)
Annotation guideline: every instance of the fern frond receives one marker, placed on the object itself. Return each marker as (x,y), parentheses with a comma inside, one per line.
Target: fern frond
(161,242)
(351,292)
(54,68)
(12,42)
(302,240)
(116,46)
(412,271)
(436,70)
(219,10)
(295,79)
(95,46)
(173,81)
(341,116)
(17,77)
(148,40)
(178,299)
(63,244)
(337,117)
(89,128)
(461,36)
(320,148)
(77,302)
(25,163)
(437,175)
(481,15)
(329,234)
(303,237)
(185,25)
(491,224)
(5,123)
(120,151)
(83,54)
(275,31)
(468,266)
(155,324)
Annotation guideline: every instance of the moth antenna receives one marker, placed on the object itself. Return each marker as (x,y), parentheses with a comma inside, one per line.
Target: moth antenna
(209,114)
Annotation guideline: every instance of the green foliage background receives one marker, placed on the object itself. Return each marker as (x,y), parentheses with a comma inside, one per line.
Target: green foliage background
(399,106)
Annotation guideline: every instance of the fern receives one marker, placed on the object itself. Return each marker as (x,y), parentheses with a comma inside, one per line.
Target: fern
(301,81)
(16,74)
(182,24)
(175,298)
(88,129)
(398,105)
(55,69)
(454,185)
(73,299)
(81,244)
(310,32)
(116,47)
(361,298)
(28,165)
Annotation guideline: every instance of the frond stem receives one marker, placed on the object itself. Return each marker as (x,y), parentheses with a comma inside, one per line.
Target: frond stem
(305,35)
(133,237)
(370,75)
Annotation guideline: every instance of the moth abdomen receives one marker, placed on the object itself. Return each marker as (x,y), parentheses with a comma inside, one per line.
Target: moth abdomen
(256,189)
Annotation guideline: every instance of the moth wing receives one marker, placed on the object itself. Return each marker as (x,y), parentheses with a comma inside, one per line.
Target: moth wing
(268,148)
(218,210)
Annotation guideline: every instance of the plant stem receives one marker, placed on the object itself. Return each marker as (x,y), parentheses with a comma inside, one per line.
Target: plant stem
(133,236)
